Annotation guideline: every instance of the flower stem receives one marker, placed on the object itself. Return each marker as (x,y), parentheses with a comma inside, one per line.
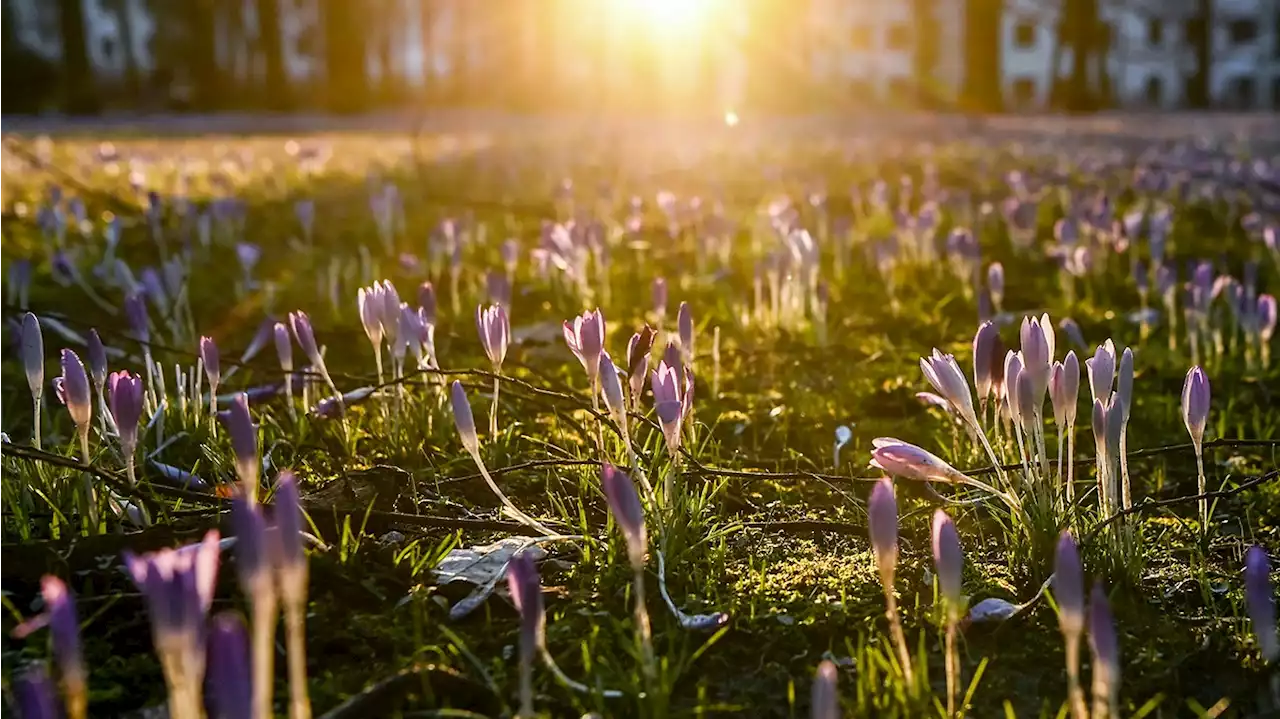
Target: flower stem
(1075,696)
(294,622)
(953,668)
(264,633)
(1204,503)
(515,511)
(493,411)
(526,689)
(643,629)
(35,424)
(895,628)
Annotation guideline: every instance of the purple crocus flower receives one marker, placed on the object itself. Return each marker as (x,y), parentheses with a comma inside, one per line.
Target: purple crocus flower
(668,401)
(1260,600)
(995,284)
(824,699)
(97,354)
(253,553)
(1106,651)
(369,302)
(125,401)
(624,503)
(526,593)
(427,302)
(985,342)
(882,517)
(611,388)
(32,343)
(1064,390)
(291,556)
(1074,334)
(660,297)
(1068,585)
(905,460)
(73,391)
(228,684)
(244,442)
(949,560)
(177,585)
(585,337)
(495,333)
(684,324)
(19,283)
(948,380)
(212,365)
(1102,370)
(60,617)
(35,695)
(1195,404)
(306,336)
(463,418)
(135,311)
(284,348)
(638,349)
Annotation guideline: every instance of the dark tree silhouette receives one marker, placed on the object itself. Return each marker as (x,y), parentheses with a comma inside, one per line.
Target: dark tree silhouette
(1198,35)
(270,45)
(79,94)
(344,51)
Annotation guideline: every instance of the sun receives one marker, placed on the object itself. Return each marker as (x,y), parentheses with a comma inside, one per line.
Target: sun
(671,15)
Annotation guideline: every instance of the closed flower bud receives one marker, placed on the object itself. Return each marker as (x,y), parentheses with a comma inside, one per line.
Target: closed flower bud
(624,503)
(882,517)
(1195,403)
(1068,585)
(949,560)
(1260,600)
(463,418)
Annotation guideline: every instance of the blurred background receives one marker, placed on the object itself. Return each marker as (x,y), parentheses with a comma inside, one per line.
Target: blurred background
(682,57)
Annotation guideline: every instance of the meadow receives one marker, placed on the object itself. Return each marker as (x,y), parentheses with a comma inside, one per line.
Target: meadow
(880,419)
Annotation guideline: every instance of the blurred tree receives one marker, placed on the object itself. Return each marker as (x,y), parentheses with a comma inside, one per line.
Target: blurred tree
(925,59)
(79,93)
(1199,37)
(124,21)
(982,91)
(198,57)
(271,46)
(29,80)
(344,55)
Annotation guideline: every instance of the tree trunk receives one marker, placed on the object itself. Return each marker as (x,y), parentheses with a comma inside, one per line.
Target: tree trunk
(344,49)
(1083,26)
(80,97)
(926,54)
(202,58)
(982,91)
(1199,37)
(270,44)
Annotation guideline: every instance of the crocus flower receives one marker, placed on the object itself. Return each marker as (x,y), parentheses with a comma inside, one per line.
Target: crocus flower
(660,298)
(1102,370)
(228,684)
(1106,655)
(1068,592)
(292,574)
(33,363)
(624,503)
(463,418)
(495,333)
(638,349)
(1074,334)
(73,391)
(60,616)
(306,337)
(1038,346)
(911,462)
(611,388)
(209,355)
(284,348)
(684,324)
(824,700)
(948,380)
(882,518)
(125,401)
(1195,414)
(1064,390)
(244,442)
(526,593)
(1260,600)
(995,284)
(35,695)
(1124,395)
(254,563)
(668,401)
(984,349)
(585,337)
(949,560)
(135,311)
(97,354)
(177,585)
(369,302)
(427,302)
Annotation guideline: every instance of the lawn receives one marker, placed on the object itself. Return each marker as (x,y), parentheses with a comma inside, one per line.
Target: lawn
(794,278)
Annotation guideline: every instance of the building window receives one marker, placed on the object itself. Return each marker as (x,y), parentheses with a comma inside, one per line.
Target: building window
(1024,92)
(1242,92)
(1024,35)
(1155,31)
(1242,31)
(1155,91)
(860,37)
(899,37)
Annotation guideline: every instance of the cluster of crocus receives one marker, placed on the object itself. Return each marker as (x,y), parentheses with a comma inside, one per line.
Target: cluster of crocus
(1109,421)
(379,307)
